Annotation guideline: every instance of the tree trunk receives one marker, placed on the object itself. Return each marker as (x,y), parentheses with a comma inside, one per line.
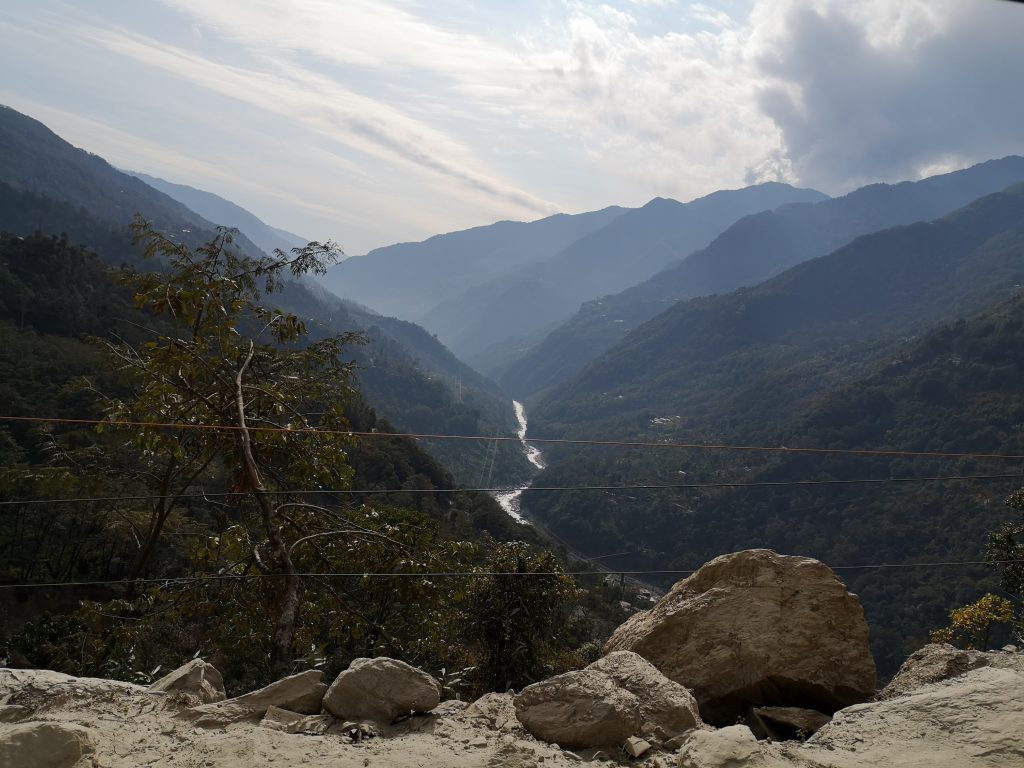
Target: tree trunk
(281,652)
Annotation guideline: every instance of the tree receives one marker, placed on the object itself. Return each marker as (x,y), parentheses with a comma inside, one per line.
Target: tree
(232,392)
(514,613)
(1006,552)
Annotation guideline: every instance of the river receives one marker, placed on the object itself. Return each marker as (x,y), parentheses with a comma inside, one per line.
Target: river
(510,500)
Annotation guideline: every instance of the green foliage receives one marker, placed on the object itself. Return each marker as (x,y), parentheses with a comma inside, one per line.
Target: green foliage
(515,613)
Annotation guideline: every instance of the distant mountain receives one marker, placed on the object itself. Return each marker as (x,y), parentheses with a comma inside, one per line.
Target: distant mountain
(48,185)
(753,249)
(34,160)
(632,247)
(717,359)
(227,214)
(408,279)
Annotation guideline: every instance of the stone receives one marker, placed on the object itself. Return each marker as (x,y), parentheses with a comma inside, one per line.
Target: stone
(302,693)
(666,708)
(781,723)
(634,746)
(732,747)
(756,628)
(973,719)
(931,664)
(495,710)
(45,745)
(381,689)
(197,678)
(585,708)
(1009,648)
(12,713)
(277,719)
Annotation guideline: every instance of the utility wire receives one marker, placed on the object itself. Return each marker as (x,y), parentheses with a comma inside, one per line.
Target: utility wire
(553,488)
(543,440)
(472,574)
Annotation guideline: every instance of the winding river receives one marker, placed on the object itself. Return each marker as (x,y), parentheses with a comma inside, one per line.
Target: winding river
(510,500)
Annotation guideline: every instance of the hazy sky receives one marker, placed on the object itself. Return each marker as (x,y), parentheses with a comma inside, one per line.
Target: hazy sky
(376,121)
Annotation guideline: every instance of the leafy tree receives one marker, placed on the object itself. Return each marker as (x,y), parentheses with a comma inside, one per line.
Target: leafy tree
(514,614)
(1006,552)
(971,625)
(229,388)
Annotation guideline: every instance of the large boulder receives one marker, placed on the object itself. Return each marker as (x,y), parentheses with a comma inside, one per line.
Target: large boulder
(302,693)
(931,664)
(197,678)
(45,745)
(757,628)
(579,709)
(973,719)
(666,708)
(381,689)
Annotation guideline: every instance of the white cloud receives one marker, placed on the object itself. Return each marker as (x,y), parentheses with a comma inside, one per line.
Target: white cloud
(398,119)
(893,89)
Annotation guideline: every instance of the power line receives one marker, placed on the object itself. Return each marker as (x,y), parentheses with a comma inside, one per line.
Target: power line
(543,440)
(472,574)
(551,488)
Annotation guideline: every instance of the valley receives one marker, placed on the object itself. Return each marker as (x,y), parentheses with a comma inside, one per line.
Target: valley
(761,368)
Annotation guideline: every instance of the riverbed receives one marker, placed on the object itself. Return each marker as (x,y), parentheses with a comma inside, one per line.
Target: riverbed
(511,499)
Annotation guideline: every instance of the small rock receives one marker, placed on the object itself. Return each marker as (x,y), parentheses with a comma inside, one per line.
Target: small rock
(381,689)
(302,693)
(495,710)
(12,713)
(781,723)
(1010,648)
(197,677)
(278,719)
(731,747)
(635,746)
(45,745)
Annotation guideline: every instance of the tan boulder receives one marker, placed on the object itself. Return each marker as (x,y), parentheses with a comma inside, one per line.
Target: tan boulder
(381,689)
(666,708)
(495,710)
(585,708)
(302,693)
(196,677)
(732,747)
(973,719)
(45,745)
(931,664)
(757,628)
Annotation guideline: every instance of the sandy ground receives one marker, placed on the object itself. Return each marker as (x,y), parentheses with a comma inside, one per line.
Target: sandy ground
(974,720)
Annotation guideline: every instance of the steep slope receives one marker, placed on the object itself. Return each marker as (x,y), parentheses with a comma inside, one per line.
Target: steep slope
(226,213)
(752,250)
(710,358)
(408,279)
(50,186)
(632,247)
(35,160)
(841,352)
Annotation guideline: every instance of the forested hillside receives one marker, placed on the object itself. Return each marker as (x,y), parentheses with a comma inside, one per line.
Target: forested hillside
(47,185)
(96,506)
(752,250)
(862,349)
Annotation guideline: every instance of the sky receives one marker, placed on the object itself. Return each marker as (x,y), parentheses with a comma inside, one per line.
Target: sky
(371,122)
